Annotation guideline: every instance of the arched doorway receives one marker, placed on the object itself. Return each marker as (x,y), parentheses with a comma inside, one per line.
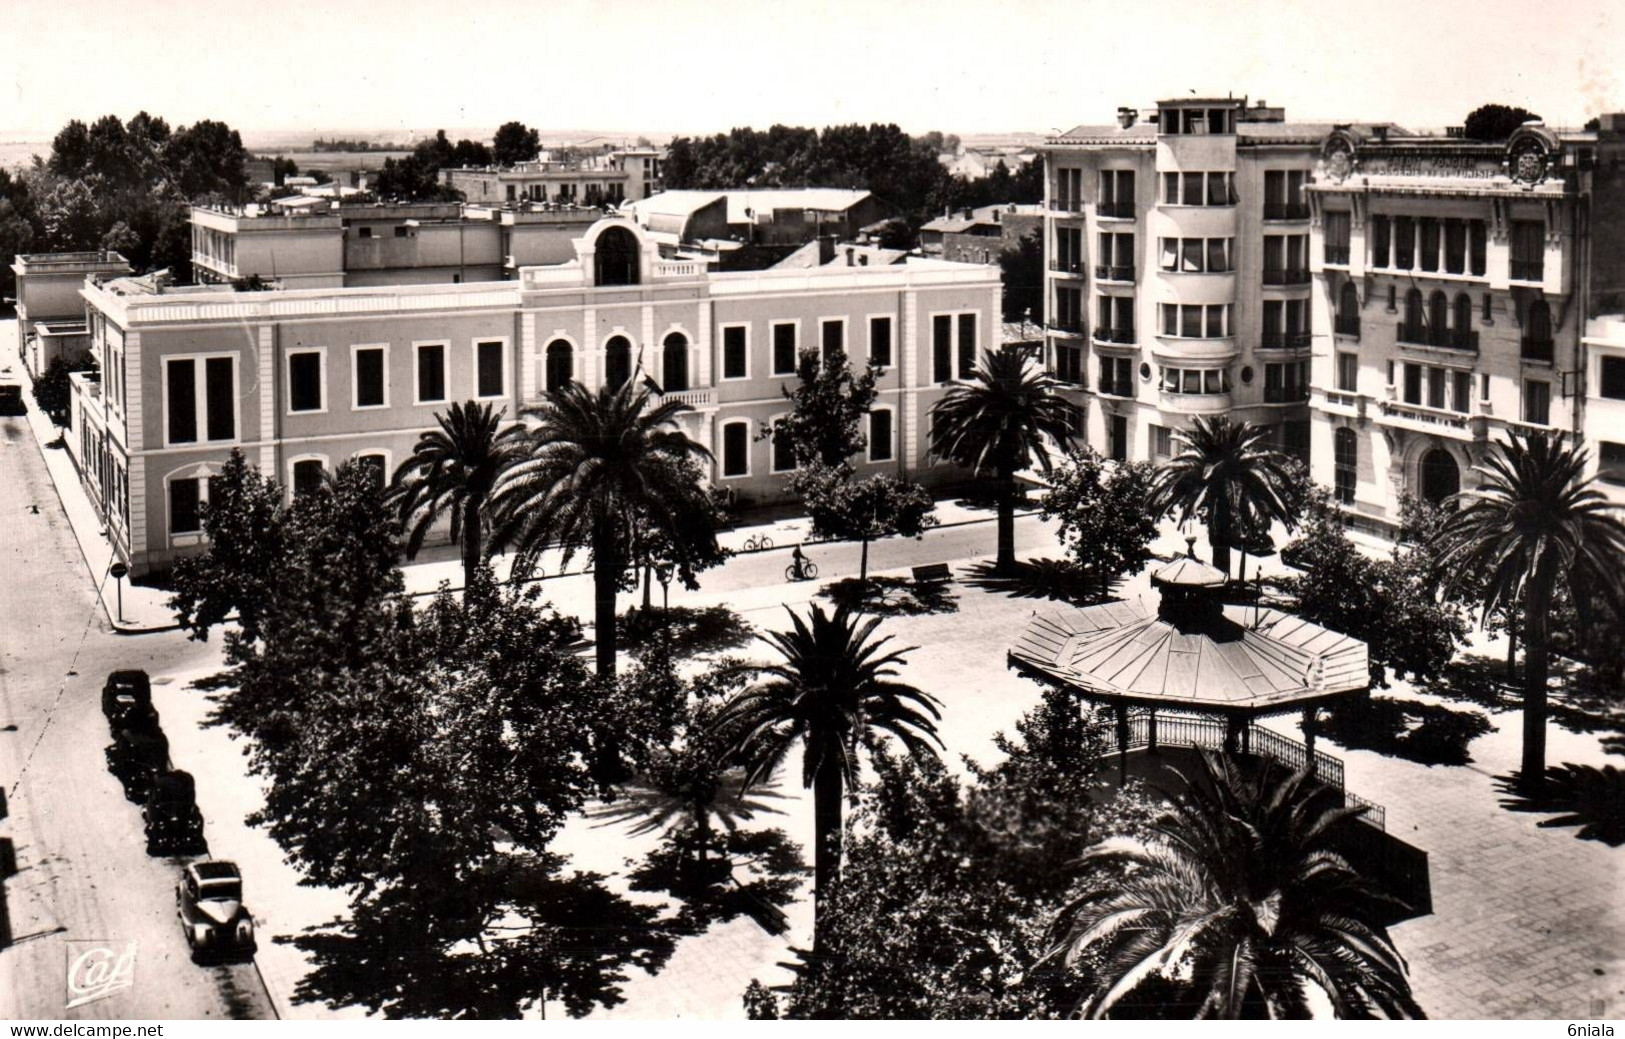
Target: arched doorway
(615,261)
(560,366)
(674,363)
(1441,477)
(617,362)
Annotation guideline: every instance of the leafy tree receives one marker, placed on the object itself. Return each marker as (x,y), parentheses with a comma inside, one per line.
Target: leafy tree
(450,476)
(1533,521)
(470,153)
(881,506)
(411,179)
(18,228)
(515,142)
(655,550)
(835,691)
(1227,475)
(1021,272)
(594,468)
(1495,122)
(72,217)
(1239,905)
(52,391)
(997,424)
(207,158)
(828,405)
(1106,520)
(243,519)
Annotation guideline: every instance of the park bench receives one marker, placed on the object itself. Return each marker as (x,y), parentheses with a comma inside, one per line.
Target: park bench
(932,572)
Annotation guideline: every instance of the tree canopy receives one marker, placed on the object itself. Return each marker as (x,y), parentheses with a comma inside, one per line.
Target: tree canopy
(1495,122)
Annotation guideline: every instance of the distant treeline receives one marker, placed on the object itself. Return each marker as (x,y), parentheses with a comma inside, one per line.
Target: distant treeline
(322,144)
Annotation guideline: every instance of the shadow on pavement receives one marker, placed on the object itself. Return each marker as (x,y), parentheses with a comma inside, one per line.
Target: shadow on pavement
(1036,579)
(691,631)
(1427,734)
(1579,795)
(892,596)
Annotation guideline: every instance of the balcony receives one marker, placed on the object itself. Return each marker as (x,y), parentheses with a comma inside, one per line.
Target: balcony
(703,398)
(1066,325)
(1528,270)
(1116,387)
(1285,341)
(1069,374)
(1286,211)
(1441,338)
(1289,276)
(1531,349)
(1337,255)
(1428,420)
(1344,402)
(1112,272)
(1347,325)
(1065,266)
(1286,394)
(1196,403)
(1118,336)
(1116,210)
(1063,204)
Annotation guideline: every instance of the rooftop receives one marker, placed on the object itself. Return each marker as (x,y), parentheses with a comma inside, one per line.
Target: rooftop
(746,203)
(47,263)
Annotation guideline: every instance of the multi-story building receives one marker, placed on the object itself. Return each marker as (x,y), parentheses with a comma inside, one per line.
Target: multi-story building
(979,235)
(302,380)
(1453,283)
(1178,279)
(624,174)
(50,314)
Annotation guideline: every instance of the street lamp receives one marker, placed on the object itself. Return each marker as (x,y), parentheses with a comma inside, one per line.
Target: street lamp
(119,572)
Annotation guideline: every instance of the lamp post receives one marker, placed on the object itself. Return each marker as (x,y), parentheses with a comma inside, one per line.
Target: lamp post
(119,572)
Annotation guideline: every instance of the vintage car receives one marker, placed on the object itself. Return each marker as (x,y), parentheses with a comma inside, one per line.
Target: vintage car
(136,756)
(174,824)
(209,901)
(127,699)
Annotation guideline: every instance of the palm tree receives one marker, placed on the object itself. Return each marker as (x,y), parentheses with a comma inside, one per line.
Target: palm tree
(1229,476)
(451,471)
(597,468)
(1533,520)
(1237,905)
(834,691)
(996,424)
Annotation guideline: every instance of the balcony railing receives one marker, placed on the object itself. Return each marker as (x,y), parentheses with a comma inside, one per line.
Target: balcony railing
(1289,276)
(1531,349)
(1124,336)
(1069,374)
(1286,211)
(1064,204)
(1285,341)
(1285,394)
(1065,266)
(1528,270)
(1423,414)
(1347,325)
(1443,338)
(1069,325)
(1337,254)
(1117,387)
(693,398)
(1119,210)
(1113,272)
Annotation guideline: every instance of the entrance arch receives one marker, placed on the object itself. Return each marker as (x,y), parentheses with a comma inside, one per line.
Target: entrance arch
(1441,476)
(615,262)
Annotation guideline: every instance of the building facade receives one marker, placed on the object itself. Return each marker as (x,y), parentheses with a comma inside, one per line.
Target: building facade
(979,235)
(304,380)
(625,174)
(1453,281)
(50,314)
(1177,275)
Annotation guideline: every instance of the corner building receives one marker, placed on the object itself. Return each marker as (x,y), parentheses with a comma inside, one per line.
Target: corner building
(1178,277)
(304,380)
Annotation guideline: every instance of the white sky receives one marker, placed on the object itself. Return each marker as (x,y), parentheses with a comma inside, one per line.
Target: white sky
(707,65)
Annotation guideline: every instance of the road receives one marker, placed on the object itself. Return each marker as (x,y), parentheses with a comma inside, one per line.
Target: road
(82,869)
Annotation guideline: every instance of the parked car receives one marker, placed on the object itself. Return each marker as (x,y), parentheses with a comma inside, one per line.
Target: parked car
(174,824)
(11,397)
(136,756)
(127,701)
(209,901)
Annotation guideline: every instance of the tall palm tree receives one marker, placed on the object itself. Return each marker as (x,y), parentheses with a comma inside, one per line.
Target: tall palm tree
(834,690)
(996,423)
(1237,905)
(1229,476)
(1533,520)
(597,467)
(451,471)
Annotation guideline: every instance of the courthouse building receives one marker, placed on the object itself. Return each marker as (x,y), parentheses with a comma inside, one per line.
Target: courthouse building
(302,380)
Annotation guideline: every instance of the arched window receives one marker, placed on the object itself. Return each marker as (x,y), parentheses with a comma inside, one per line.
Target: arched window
(1413,316)
(1441,477)
(1464,312)
(560,365)
(1345,463)
(674,363)
(615,261)
(1348,302)
(1438,317)
(617,362)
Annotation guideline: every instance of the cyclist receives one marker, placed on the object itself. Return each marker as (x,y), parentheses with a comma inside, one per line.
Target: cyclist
(799,562)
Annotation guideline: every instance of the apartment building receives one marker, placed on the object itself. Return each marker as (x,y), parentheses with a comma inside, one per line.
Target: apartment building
(302,380)
(1453,283)
(1178,279)
(50,314)
(625,174)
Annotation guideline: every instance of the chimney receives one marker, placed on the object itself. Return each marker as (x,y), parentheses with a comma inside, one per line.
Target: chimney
(1126,116)
(826,249)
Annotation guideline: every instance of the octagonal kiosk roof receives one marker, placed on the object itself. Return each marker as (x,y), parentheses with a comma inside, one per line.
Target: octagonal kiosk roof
(1194,653)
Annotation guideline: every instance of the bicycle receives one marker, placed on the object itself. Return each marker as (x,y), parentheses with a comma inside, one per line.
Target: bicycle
(809,570)
(758,543)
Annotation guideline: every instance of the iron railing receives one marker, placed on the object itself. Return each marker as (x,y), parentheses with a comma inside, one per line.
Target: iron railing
(1113,272)
(1120,210)
(1286,211)
(1347,325)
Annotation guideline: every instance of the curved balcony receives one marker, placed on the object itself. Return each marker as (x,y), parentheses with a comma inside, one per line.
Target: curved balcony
(1196,286)
(1196,403)
(1194,222)
(1181,350)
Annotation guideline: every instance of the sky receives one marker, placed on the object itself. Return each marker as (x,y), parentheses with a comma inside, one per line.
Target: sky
(691,66)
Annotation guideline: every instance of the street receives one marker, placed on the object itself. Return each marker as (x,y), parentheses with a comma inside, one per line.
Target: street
(82,869)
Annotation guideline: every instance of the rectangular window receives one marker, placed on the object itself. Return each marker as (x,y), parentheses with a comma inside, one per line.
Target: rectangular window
(1379,241)
(220,397)
(1455,247)
(1337,237)
(1537,402)
(967,346)
(1162,441)
(781,450)
(1462,392)
(307,476)
(1191,255)
(1611,461)
(832,336)
(1169,256)
(1190,320)
(880,341)
(1475,243)
(185,516)
(1413,384)
(181,398)
(880,437)
(1436,379)
(1170,188)
(371,387)
(736,449)
(1430,244)
(1611,377)
(1348,372)
(431,373)
(784,348)
(1528,250)
(942,348)
(735,352)
(1191,189)
(1218,254)
(488,377)
(1404,243)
